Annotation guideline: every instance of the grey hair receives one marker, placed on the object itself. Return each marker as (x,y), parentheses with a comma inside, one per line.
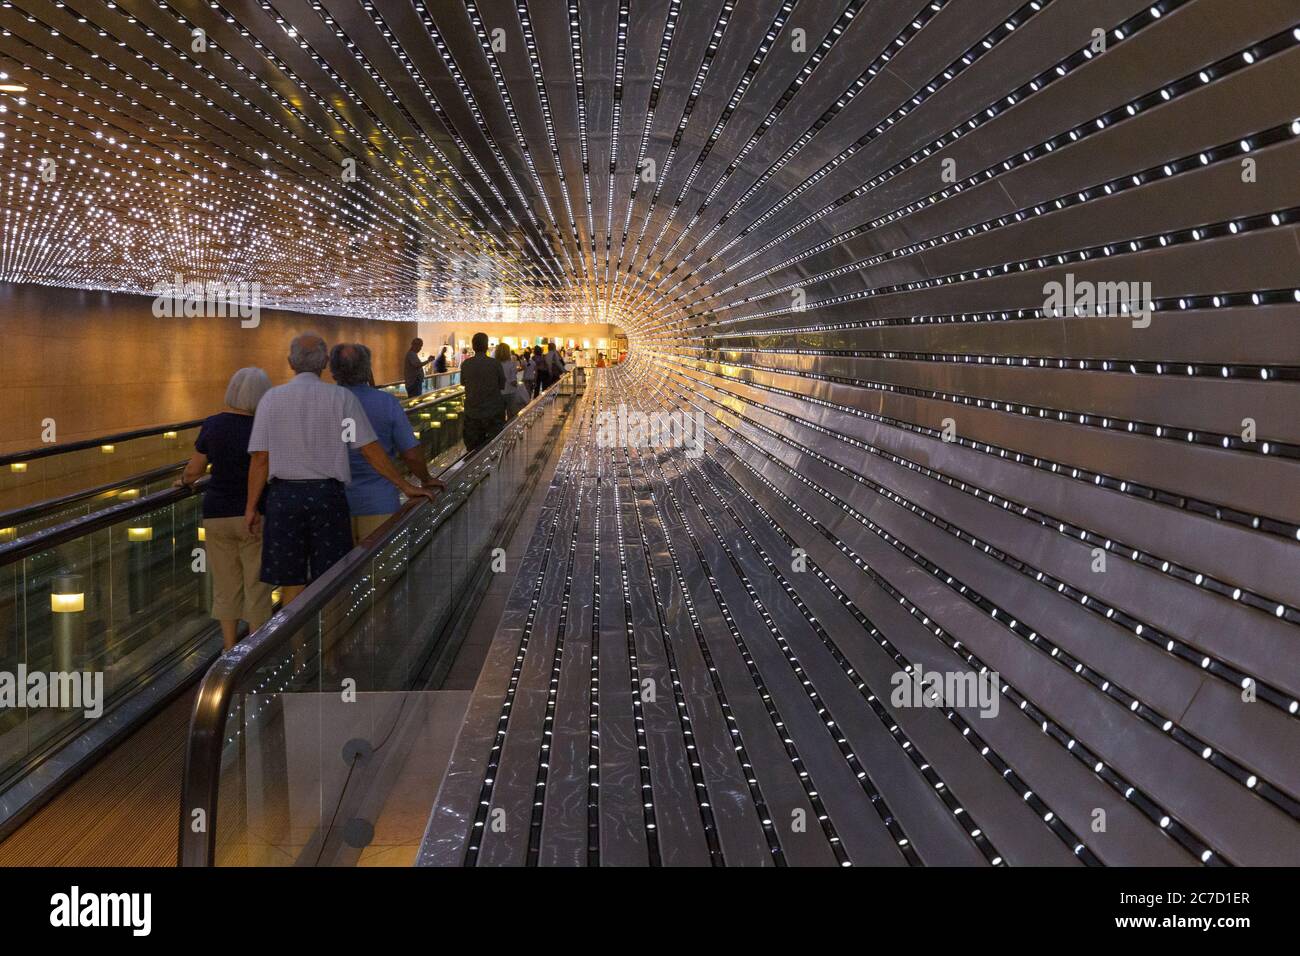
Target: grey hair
(307,353)
(350,363)
(246,388)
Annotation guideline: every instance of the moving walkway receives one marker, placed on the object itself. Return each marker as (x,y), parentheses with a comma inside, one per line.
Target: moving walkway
(110,581)
(311,738)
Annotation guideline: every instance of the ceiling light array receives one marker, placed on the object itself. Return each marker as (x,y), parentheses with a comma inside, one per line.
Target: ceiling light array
(429,193)
(1252,143)
(1217,230)
(485,42)
(1174,91)
(616,120)
(1062,69)
(756,62)
(470,101)
(813,61)
(317,244)
(534,60)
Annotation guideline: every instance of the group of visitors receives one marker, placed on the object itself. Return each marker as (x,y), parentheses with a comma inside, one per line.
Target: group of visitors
(541,369)
(300,473)
(497,388)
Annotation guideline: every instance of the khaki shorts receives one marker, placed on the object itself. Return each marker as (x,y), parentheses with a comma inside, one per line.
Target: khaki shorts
(362,525)
(235,563)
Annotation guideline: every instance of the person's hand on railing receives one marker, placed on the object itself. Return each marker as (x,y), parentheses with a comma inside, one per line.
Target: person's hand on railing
(415,491)
(435,484)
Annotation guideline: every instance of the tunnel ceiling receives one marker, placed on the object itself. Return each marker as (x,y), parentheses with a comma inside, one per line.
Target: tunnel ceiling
(720,166)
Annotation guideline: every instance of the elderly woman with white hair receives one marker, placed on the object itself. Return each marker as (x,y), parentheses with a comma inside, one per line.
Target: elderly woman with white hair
(234,554)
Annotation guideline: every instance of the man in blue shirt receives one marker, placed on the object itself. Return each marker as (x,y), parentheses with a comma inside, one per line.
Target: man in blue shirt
(371,498)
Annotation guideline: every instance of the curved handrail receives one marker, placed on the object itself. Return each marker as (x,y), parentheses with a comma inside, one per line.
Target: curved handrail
(202,772)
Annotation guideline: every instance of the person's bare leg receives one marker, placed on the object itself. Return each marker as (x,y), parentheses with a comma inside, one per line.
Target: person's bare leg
(229,634)
(287,593)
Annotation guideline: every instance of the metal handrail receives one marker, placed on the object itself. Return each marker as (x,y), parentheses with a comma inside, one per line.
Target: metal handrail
(17,516)
(85,524)
(47,451)
(202,772)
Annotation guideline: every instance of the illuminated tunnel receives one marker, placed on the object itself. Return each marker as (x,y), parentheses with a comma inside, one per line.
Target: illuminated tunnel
(969,330)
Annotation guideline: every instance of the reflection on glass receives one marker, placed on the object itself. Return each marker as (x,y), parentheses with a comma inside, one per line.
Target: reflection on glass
(112,605)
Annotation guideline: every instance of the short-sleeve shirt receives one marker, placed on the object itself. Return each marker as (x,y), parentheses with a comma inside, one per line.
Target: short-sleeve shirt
(307,426)
(370,492)
(223,438)
(483,379)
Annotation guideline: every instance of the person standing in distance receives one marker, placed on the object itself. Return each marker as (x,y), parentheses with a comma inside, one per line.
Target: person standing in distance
(484,382)
(414,369)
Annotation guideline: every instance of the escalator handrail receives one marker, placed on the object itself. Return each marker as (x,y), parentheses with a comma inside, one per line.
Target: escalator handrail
(203,751)
(46,451)
(86,524)
(58,534)
(429,398)
(17,516)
